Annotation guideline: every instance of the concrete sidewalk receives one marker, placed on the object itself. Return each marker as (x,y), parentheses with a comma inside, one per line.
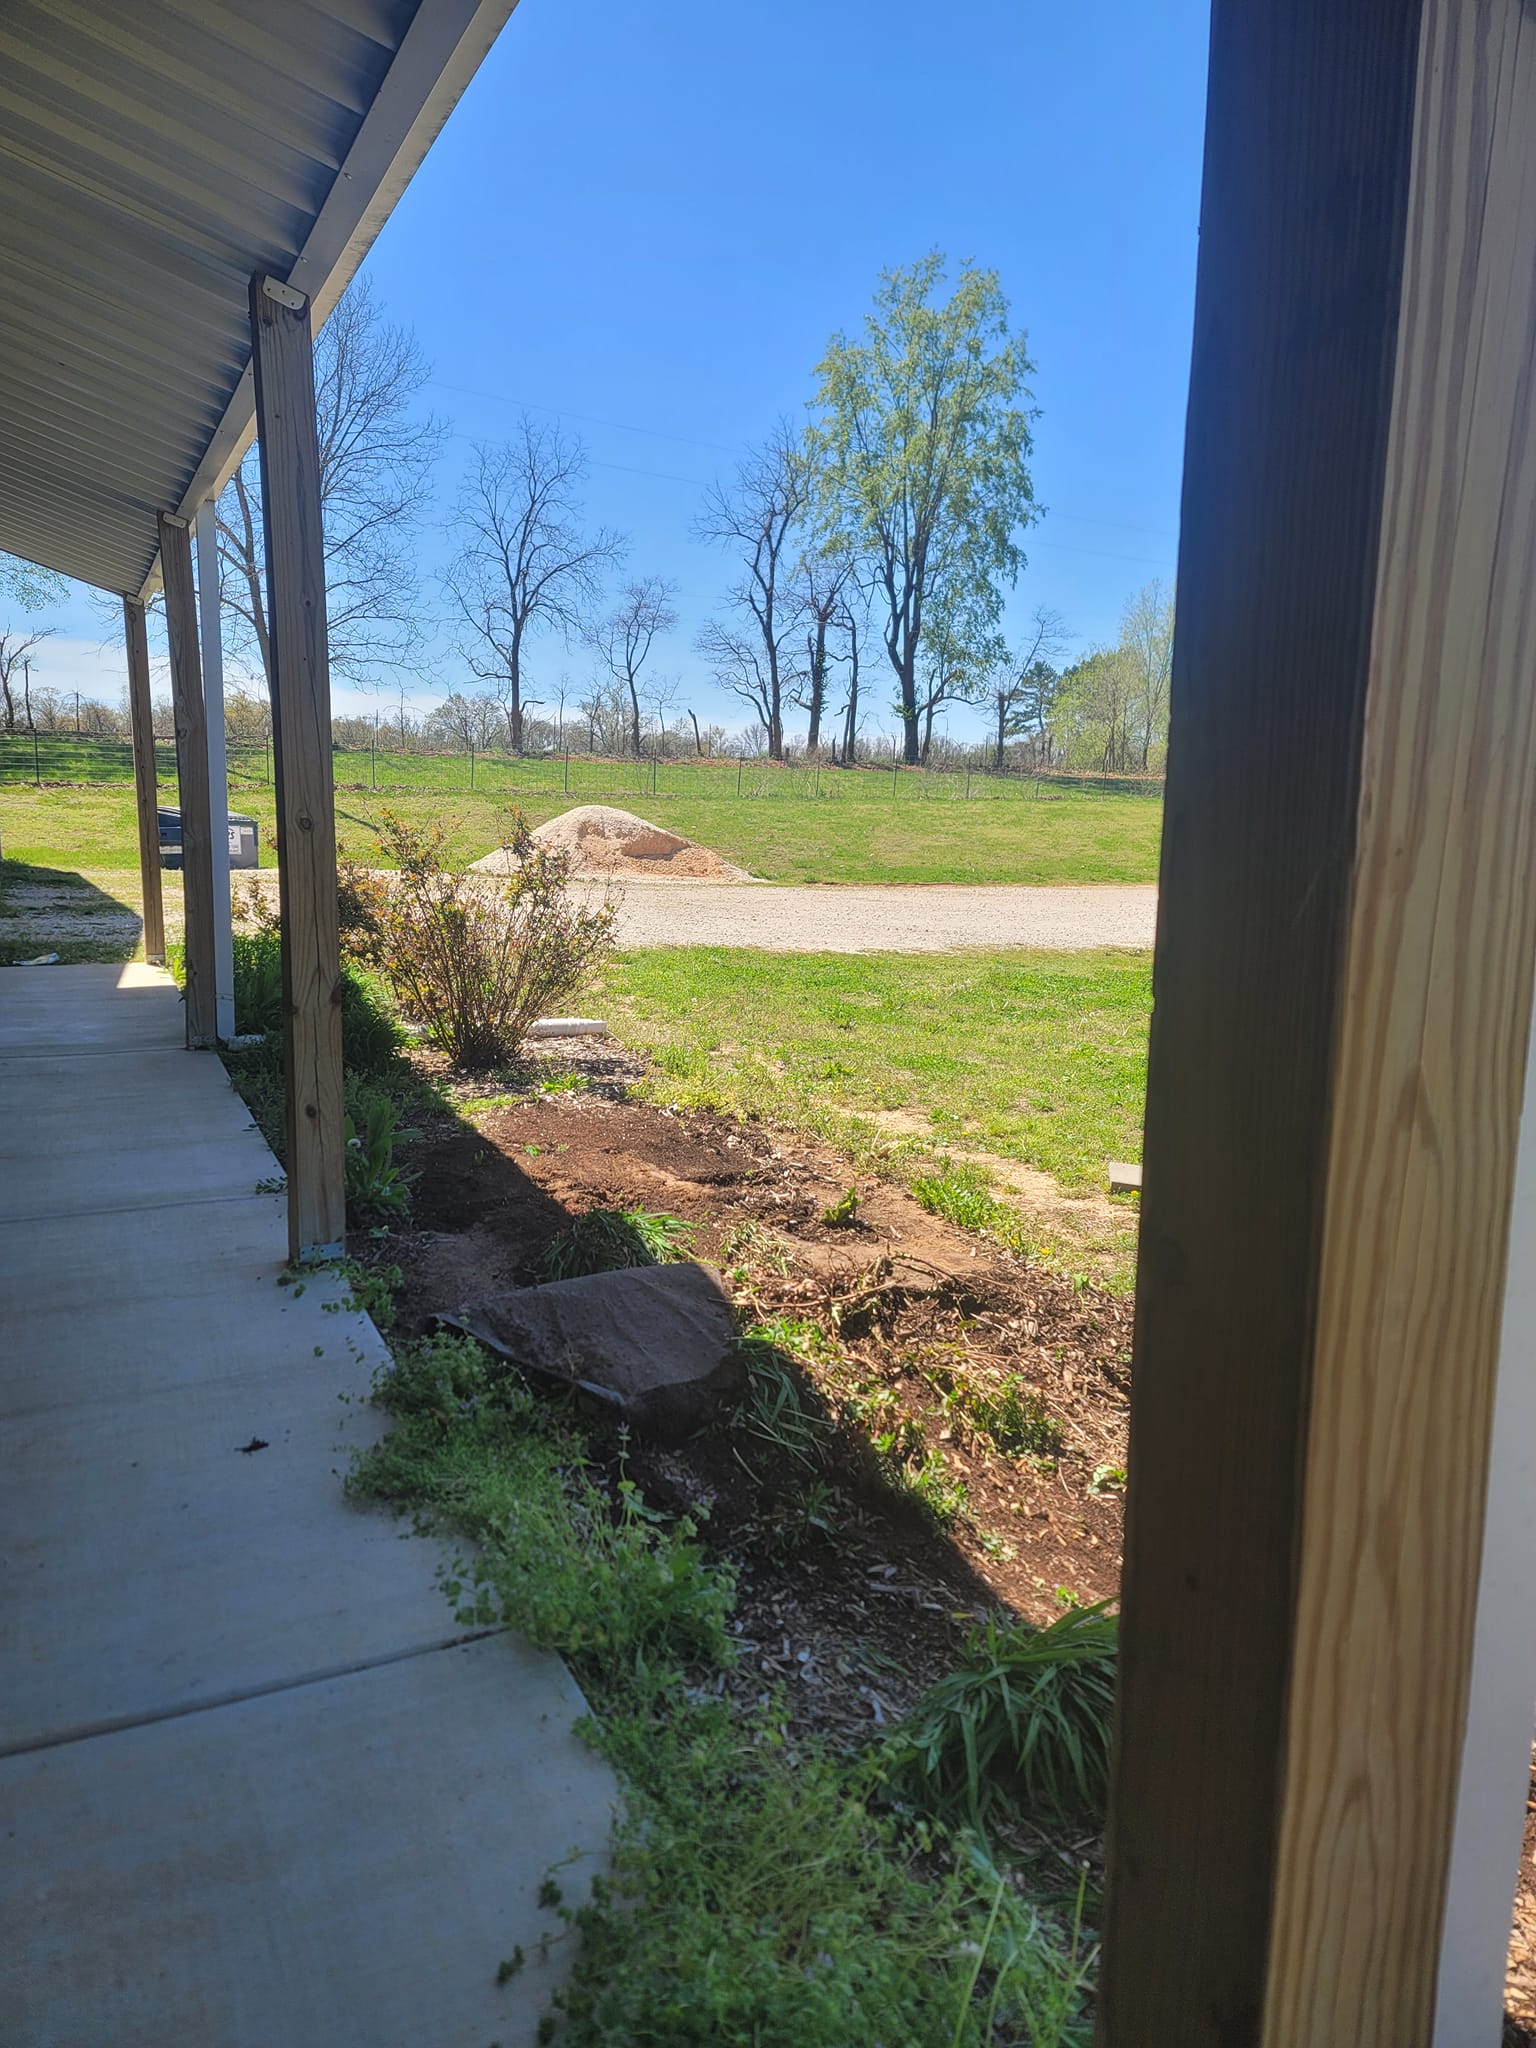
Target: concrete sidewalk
(255,1785)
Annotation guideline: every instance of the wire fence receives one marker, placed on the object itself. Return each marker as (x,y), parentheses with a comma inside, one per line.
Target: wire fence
(70,760)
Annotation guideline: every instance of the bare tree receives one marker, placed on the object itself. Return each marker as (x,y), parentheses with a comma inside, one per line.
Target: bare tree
(819,588)
(376,461)
(623,639)
(749,649)
(524,565)
(851,623)
(15,650)
(1021,686)
(467,724)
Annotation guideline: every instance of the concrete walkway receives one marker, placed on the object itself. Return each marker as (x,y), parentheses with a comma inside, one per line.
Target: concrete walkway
(255,1785)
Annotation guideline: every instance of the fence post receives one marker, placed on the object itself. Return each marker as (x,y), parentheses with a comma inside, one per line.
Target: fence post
(653,774)
(471,764)
(740,764)
(567,771)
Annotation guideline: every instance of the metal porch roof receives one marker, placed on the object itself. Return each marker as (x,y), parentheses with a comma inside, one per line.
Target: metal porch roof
(153,155)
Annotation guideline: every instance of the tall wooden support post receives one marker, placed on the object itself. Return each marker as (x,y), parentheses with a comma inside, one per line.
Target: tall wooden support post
(301,718)
(205,537)
(191,776)
(141,722)
(1347,928)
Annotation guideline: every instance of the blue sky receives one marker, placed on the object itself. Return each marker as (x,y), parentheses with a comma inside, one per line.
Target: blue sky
(648,221)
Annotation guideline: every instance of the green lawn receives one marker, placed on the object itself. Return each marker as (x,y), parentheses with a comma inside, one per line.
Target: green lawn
(863,827)
(1034,1057)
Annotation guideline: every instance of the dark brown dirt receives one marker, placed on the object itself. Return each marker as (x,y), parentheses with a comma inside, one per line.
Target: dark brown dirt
(902,1302)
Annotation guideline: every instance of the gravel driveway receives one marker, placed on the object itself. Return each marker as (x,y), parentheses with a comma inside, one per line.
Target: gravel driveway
(931,918)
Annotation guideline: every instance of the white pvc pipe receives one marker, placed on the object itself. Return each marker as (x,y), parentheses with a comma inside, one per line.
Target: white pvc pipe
(1501,1706)
(205,533)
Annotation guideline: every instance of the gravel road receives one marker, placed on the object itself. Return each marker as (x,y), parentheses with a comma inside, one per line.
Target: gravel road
(932,918)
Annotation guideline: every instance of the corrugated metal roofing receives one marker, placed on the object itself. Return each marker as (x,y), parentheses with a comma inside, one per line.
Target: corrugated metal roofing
(154,154)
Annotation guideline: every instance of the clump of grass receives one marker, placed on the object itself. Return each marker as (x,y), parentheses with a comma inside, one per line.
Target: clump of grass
(776,1408)
(963,1194)
(605,1240)
(1023,1724)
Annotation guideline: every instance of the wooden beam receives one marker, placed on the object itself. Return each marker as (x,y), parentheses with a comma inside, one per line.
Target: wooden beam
(141,723)
(192,778)
(1347,932)
(283,360)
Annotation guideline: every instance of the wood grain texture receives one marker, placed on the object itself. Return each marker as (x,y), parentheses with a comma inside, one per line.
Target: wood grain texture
(1290,398)
(283,361)
(192,778)
(146,795)
(1430,1076)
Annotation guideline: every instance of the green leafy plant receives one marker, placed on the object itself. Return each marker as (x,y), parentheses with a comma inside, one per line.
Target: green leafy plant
(843,1212)
(605,1240)
(1024,1723)
(375,1183)
(476,958)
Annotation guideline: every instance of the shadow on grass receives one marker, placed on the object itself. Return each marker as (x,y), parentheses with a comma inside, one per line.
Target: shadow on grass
(56,910)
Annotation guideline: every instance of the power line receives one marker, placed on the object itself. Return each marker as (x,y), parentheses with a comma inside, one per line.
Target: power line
(587,419)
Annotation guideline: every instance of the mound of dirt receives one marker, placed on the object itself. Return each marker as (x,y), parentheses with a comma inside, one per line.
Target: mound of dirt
(603,841)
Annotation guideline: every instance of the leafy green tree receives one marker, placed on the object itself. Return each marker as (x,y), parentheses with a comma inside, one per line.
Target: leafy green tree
(26,585)
(922,446)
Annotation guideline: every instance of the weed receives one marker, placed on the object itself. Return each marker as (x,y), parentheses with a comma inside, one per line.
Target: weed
(510,1965)
(1023,1724)
(1107,1479)
(1008,1414)
(960,1194)
(604,1240)
(843,1212)
(932,1484)
(376,1185)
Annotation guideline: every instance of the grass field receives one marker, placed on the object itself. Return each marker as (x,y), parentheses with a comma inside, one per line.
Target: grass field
(862,827)
(1009,1056)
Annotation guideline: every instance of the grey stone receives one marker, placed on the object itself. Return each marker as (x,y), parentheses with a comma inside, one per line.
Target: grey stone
(657,1343)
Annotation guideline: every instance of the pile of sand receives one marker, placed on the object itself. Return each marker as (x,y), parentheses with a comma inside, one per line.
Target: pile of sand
(606,842)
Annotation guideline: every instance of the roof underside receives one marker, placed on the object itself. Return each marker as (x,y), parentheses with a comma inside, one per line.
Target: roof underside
(154,154)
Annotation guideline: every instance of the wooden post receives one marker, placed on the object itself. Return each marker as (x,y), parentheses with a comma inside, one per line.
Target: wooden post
(1347,929)
(283,360)
(191,777)
(145,781)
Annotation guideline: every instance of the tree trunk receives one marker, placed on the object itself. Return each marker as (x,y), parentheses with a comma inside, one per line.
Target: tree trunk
(698,744)
(1000,759)
(634,717)
(817,648)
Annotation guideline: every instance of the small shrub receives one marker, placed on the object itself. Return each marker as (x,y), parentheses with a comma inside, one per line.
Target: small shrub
(476,958)
(1010,1415)
(258,978)
(1024,1723)
(605,1240)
